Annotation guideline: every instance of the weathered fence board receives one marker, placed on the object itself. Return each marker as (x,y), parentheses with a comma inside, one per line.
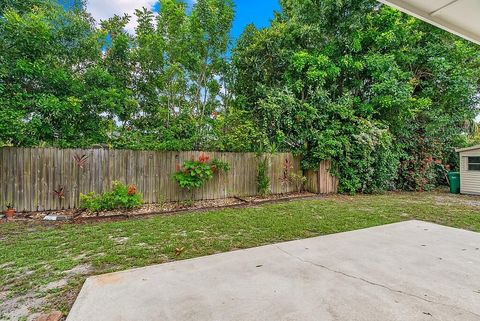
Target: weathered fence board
(30,176)
(321,181)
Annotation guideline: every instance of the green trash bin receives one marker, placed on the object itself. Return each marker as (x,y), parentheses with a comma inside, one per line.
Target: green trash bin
(454,180)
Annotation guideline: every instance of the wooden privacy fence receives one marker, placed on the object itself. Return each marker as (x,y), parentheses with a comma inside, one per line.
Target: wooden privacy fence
(29,177)
(321,181)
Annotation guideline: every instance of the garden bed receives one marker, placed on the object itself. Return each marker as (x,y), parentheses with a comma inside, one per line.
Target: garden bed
(167,208)
(276,197)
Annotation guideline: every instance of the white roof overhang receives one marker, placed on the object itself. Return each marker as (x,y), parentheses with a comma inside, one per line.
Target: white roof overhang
(460,17)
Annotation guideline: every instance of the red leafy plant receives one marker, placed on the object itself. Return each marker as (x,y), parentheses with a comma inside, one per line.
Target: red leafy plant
(60,192)
(132,190)
(286,179)
(80,161)
(203,158)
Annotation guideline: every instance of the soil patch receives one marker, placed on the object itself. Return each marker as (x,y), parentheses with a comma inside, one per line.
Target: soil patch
(166,208)
(451,199)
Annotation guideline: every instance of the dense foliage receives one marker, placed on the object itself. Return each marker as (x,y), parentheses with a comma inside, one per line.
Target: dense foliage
(384,95)
(120,197)
(195,173)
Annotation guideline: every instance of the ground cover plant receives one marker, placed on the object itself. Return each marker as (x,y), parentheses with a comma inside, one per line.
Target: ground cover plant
(120,197)
(44,266)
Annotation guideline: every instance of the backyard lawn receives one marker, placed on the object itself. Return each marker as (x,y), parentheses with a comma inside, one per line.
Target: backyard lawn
(42,267)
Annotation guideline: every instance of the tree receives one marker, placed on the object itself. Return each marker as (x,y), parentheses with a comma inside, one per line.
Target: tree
(179,69)
(358,82)
(46,55)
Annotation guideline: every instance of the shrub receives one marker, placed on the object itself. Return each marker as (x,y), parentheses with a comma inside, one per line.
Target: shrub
(263,181)
(120,197)
(194,174)
(368,163)
(285,179)
(298,180)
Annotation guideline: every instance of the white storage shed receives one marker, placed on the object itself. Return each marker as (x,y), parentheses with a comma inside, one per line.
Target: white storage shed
(470,170)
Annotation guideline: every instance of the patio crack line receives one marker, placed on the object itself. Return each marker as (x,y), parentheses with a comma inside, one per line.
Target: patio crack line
(374,283)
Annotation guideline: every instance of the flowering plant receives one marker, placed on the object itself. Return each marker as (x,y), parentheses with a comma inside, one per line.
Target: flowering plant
(193,174)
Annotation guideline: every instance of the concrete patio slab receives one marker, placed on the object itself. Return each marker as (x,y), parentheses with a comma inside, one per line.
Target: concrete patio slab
(407,271)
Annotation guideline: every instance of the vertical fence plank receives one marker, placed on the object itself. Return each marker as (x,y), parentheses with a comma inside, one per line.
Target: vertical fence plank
(77,169)
(67,176)
(163,176)
(148,177)
(34,180)
(159,171)
(60,182)
(105,156)
(41,178)
(27,184)
(8,176)
(173,158)
(2,180)
(11,188)
(322,181)
(19,179)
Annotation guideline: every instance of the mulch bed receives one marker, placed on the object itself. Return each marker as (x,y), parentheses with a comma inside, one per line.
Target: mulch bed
(168,208)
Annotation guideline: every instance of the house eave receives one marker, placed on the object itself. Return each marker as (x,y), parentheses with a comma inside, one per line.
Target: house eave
(460,17)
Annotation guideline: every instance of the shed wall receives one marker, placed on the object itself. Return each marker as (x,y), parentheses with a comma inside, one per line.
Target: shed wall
(469,180)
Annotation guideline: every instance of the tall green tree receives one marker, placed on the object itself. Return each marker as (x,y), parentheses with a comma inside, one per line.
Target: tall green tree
(179,73)
(46,58)
(362,84)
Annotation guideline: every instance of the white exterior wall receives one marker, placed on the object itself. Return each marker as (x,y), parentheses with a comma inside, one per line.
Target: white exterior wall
(469,180)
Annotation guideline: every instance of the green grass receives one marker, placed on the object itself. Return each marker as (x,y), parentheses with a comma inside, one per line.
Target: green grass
(33,256)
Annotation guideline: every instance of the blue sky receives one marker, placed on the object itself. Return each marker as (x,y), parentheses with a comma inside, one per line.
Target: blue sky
(258,12)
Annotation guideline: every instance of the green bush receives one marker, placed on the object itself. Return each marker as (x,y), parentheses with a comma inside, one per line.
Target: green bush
(369,163)
(120,197)
(193,174)
(298,180)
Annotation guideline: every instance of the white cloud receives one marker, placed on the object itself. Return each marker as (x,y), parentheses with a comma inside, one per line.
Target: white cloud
(102,9)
